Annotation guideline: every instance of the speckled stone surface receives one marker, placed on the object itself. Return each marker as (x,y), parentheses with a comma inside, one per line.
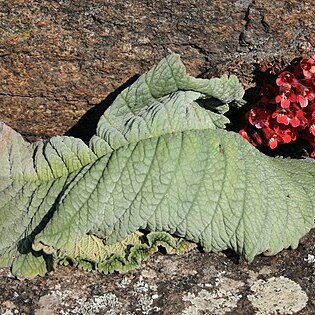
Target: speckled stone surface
(60,59)
(194,283)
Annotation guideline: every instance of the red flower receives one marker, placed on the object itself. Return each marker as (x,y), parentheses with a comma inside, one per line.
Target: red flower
(287,79)
(308,67)
(285,97)
(286,110)
(300,116)
(254,138)
(286,135)
(286,117)
(259,116)
(304,94)
(244,134)
(273,142)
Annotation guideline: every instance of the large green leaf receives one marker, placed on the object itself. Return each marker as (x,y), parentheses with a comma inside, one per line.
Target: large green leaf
(160,161)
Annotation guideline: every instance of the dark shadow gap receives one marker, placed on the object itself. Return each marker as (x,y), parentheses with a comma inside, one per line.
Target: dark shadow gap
(85,128)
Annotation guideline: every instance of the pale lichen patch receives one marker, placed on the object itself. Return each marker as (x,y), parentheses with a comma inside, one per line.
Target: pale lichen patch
(310,259)
(84,302)
(218,301)
(277,296)
(106,303)
(145,295)
(221,298)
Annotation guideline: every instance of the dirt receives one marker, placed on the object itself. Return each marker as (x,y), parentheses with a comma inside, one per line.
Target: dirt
(61,60)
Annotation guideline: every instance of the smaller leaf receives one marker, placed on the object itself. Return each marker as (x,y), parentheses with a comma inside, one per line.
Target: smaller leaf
(92,253)
(29,265)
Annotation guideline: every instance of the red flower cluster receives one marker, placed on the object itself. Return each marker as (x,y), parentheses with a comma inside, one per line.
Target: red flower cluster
(285,111)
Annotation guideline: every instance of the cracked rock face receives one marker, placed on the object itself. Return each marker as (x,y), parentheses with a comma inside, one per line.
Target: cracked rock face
(64,57)
(60,59)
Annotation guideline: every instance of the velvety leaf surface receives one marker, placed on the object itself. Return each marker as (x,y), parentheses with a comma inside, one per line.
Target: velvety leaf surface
(160,161)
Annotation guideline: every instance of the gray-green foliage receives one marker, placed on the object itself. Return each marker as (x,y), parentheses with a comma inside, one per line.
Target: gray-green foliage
(161,161)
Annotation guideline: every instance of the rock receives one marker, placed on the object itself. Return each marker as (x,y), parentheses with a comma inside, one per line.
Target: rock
(58,59)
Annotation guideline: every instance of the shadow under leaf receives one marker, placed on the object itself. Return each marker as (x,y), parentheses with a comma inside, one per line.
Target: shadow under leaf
(85,128)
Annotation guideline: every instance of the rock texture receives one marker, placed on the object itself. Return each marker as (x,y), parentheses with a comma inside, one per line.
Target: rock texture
(60,59)
(193,284)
